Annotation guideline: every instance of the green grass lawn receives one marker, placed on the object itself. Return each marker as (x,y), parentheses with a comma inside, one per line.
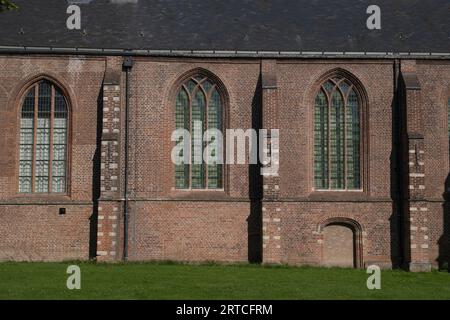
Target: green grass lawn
(177,281)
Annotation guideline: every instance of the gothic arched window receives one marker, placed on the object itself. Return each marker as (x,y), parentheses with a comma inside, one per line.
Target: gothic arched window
(337,136)
(199,101)
(43,140)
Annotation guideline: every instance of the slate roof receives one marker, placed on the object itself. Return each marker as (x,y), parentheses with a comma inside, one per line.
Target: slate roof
(409,26)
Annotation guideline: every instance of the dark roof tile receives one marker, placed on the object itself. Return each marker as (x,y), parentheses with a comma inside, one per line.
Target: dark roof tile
(262,25)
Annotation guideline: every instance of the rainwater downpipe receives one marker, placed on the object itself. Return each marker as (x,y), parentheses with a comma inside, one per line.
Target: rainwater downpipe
(127,65)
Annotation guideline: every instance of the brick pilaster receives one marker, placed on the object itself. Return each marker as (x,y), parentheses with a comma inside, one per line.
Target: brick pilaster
(108,247)
(271,211)
(419,259)
(417,252)
(108,231)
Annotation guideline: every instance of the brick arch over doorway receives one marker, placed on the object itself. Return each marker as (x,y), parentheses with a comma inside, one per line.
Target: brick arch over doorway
(341,243)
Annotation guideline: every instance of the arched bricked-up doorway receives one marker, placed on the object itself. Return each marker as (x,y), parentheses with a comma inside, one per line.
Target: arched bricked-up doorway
(341,243)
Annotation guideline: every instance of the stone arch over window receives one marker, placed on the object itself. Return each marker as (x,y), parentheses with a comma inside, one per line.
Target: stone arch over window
(341,243)
(338,132)
(200,99)
(44,137)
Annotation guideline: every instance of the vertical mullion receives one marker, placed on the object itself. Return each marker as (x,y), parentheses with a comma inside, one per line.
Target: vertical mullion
(190,135)
(323,139)
(360,137)
(35,124)
(345,141)
(187,126)
(329,106)
(66,146)
(221,112)
(205,127)
(50,161)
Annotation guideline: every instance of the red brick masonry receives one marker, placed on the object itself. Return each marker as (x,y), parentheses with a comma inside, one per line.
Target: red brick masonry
(400,217)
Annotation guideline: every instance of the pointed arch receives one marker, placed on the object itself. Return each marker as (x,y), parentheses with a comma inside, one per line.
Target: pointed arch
(206,106)
(44,138)
(339,105)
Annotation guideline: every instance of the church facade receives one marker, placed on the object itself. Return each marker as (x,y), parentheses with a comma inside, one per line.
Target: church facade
(362,179)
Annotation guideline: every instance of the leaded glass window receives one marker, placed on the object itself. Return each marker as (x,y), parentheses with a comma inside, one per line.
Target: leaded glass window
(43,140)
(337,136)
(198,101)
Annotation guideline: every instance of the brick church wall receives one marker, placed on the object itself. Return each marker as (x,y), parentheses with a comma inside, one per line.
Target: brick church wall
(285,226)
(434,77)
(176,224)
(31,227)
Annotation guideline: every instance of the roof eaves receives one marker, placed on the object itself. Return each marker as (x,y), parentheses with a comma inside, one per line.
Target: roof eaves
(225,53)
